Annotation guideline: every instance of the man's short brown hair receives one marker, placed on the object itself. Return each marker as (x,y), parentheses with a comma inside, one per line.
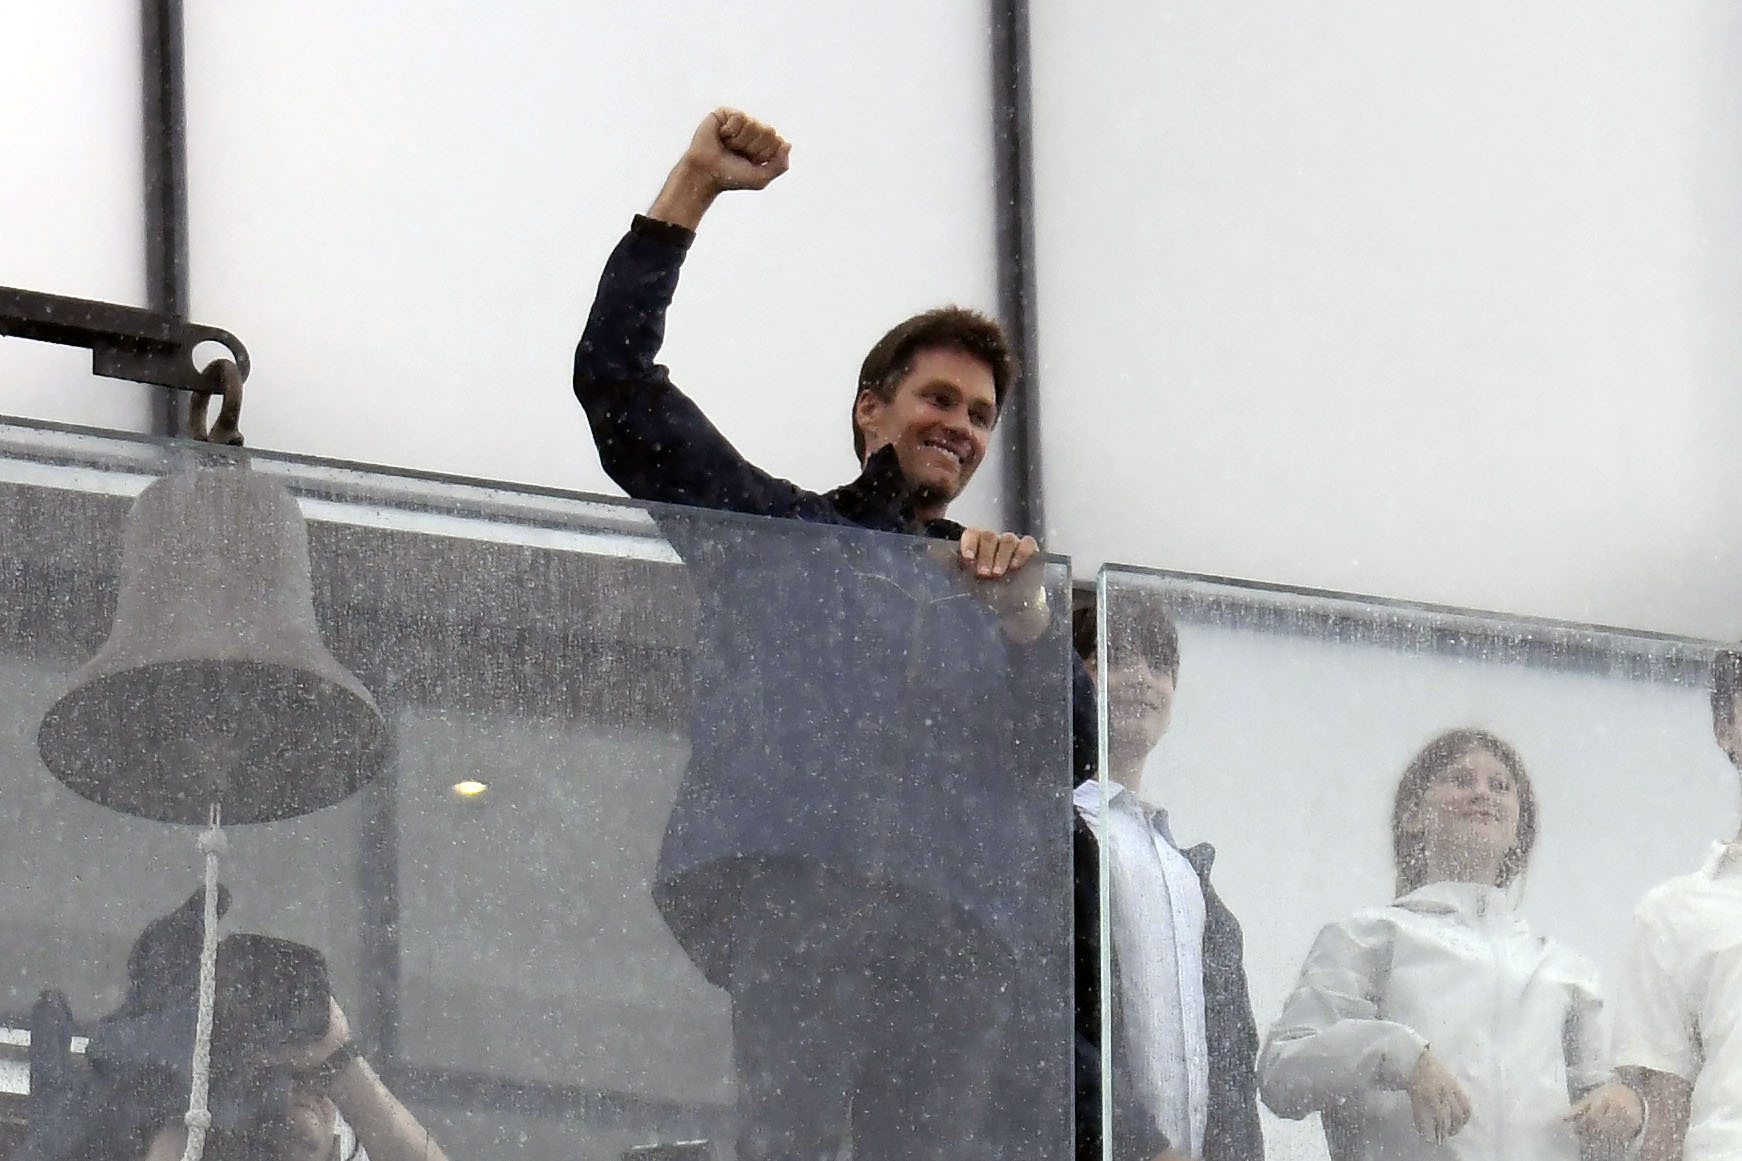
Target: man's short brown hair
(947,328)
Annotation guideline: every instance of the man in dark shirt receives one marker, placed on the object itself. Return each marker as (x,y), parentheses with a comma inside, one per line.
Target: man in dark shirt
(856,850)
(930,390)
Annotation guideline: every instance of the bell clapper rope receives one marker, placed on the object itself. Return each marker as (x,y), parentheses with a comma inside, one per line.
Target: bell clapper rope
(212,844)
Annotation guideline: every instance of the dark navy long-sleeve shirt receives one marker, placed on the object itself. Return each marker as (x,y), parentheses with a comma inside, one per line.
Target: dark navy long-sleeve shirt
(656,444)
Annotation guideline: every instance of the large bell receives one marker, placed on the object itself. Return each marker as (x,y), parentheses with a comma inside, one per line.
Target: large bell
(214,686)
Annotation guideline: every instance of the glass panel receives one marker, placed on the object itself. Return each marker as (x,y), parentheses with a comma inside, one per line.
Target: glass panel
(1296,716)
(811,753)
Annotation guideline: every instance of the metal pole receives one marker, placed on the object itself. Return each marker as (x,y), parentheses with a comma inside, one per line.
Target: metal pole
(166,204)
(378,880)
(1013,139)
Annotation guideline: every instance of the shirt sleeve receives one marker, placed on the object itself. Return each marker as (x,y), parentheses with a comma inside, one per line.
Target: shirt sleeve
(653,441)
(1655,1025)
(1330,1044)
(1585,1043)
(1136,1135)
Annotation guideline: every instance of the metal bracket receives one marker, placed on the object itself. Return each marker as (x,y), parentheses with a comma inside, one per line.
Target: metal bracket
(126,342)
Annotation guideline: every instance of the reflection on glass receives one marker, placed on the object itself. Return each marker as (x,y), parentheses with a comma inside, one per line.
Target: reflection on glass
(1166,997)
(214,691)
(498,957)
(1680,986)
(859,850)
(1512,787)
(213,698)
(1441,1021)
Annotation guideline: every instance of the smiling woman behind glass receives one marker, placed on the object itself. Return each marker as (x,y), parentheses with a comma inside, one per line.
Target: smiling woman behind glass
(1439,1026)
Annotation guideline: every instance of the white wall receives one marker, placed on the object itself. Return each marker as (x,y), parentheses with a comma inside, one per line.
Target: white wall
(1433,301)
(72,198)
(1423,301)
(403,210)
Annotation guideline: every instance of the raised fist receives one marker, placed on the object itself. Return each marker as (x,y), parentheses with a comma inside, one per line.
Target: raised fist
(729,151)
(736,151)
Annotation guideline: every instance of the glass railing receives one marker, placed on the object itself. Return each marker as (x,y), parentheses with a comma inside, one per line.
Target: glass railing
(1478,906)
(682,832)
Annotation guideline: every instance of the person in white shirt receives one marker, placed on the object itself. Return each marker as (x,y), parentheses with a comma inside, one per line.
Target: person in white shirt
(1680,1000)
(1183,1044)
(1440,1026)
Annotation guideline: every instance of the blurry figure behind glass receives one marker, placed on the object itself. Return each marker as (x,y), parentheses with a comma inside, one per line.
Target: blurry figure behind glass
(1440,1026)
(1680,1004)
(286,1082)
(333,1108)
(853,850)
(1184,1041)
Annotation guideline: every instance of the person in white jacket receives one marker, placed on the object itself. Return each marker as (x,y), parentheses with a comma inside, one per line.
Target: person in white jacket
(1439,1026)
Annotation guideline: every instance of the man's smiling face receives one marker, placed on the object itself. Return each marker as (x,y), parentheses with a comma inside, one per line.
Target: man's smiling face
(938,419)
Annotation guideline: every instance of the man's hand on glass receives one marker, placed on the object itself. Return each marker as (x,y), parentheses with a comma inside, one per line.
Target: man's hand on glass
(1007,574)
(992,555)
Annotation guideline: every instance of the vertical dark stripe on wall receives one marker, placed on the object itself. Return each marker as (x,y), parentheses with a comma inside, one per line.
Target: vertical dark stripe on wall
(166,202)
(1013,138)
(378,881)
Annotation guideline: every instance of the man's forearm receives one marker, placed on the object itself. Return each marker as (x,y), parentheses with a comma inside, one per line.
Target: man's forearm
(685,197)
(385,1128)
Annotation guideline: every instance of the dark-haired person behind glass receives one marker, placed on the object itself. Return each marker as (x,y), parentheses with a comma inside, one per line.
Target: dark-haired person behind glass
(1439,1025)
(286,1081)
(1677,1010)
(329,1078)
(1184,1041)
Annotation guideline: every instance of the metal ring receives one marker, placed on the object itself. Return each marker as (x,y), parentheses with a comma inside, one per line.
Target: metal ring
(221,377)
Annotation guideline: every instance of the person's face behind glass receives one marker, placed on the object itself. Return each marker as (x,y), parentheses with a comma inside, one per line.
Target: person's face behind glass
(1468,819)
(1139,710)
(312,1122)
